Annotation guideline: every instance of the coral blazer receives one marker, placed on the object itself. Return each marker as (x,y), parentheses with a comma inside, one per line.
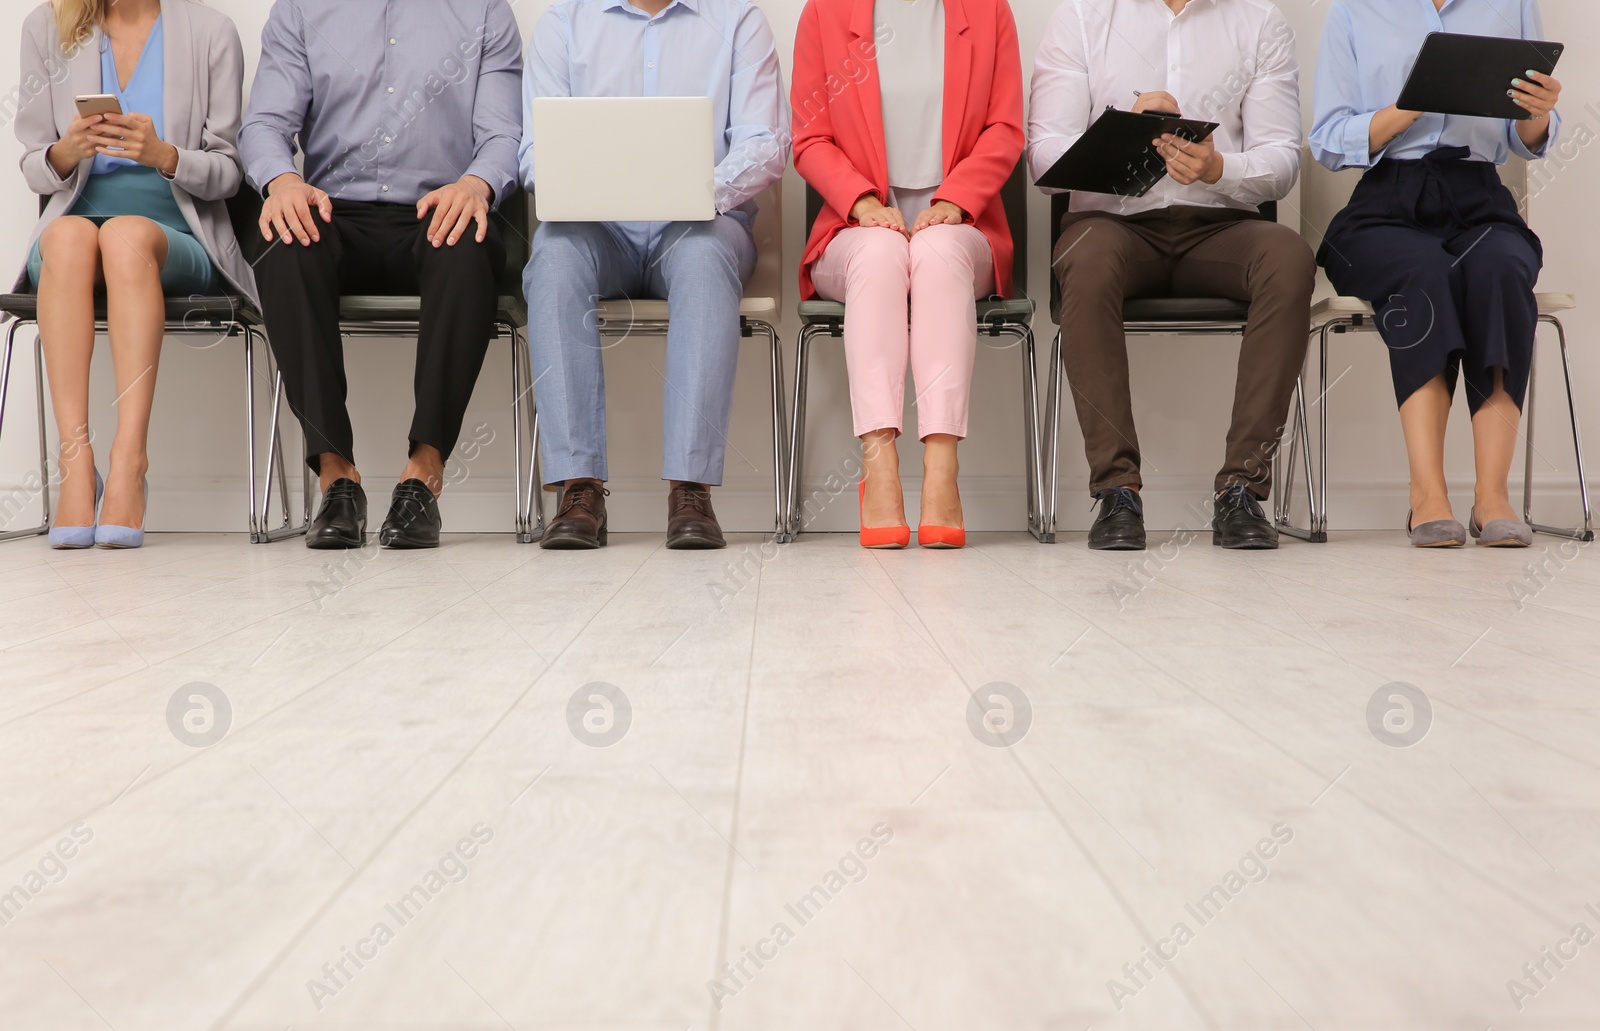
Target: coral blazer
(838,118)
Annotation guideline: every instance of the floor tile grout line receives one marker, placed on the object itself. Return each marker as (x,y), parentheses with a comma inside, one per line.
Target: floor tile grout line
(1528,904)
(724,920)
(283,952)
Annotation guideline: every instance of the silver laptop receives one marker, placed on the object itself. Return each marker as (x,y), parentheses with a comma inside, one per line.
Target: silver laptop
(623,159)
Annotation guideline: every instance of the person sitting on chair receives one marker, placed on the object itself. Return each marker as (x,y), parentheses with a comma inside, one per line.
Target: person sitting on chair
(1197,233)
(407,118)
(136,204)
(721,49)
(1433,239)
(910,164)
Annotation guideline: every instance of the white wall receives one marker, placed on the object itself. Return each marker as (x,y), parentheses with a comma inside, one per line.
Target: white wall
(1183,387)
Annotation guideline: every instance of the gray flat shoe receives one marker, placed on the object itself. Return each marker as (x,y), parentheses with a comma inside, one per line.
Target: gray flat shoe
(1502,533)
(1440,533)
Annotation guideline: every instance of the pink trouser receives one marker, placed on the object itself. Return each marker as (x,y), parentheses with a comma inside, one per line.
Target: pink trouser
(908,300)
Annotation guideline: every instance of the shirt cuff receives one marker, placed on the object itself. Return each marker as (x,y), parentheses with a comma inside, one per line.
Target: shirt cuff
(272,172)
(499,184)
(1520,146)
(1232,175)
(1357,143)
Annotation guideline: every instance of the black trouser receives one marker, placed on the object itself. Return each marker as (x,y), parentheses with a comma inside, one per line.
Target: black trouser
(379,249)
(1437,247)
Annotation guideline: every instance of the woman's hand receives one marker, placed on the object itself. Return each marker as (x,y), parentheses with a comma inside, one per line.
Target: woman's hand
(1537,94)
(66,153)
(941,212)
(870,211)
(133,136)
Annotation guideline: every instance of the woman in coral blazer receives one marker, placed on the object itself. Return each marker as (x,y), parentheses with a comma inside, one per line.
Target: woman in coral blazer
(907,121)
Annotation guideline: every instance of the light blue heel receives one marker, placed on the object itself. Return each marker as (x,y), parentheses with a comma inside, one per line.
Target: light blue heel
(76,538)
(107,535)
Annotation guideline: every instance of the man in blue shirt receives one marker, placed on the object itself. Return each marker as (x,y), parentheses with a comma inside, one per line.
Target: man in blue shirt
(406,116)
(721,49)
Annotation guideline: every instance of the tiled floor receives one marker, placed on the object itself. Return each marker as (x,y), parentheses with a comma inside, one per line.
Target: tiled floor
(491,787)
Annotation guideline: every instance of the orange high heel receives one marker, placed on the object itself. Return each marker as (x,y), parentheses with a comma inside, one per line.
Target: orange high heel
(882,537)
(931,536)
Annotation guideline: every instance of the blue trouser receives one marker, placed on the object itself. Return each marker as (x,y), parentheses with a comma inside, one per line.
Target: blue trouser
(700,268)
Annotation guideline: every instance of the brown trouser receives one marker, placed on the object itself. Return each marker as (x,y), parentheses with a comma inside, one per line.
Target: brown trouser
(1102,258)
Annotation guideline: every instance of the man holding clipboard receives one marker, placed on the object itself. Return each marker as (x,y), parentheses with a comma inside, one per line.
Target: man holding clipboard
(1196,232)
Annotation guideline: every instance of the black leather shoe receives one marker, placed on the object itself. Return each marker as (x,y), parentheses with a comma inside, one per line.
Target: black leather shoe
(341,522)
(1120,524)
(1240,523)
(580,522)
(691,524)
(413,520)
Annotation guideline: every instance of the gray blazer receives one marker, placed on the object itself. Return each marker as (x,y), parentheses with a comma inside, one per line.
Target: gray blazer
(202,108)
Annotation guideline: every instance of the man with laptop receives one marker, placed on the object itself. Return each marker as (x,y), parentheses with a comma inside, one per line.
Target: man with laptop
(658,231)
(406,115)
(1197,233)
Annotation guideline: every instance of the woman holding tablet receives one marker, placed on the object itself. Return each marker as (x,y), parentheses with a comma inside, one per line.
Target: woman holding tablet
(135,206)
(1433,240)
(909,157)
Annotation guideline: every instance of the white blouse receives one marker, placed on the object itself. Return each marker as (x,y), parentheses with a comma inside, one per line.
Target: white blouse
(911,81)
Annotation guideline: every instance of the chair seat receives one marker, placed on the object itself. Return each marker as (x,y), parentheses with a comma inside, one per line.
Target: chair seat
(384,308)
(1184,309)
(1328,308)
(192,312)
(625,310)
(1014,310)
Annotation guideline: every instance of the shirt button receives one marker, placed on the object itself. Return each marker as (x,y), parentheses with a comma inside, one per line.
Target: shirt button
(385,189)
(391,89)
(649,64)
(391,42)
(388,139)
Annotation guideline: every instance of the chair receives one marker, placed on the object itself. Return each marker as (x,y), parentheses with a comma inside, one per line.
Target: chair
(225,314)
(1324,194)
(385,315)
(1176,316)
(622,317)
(995,317)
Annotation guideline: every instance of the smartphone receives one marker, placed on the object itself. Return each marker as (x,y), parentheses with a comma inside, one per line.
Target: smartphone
(98,104)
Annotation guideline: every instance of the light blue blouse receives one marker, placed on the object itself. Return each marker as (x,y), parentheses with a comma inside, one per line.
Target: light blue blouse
(144,93)
(1368,48)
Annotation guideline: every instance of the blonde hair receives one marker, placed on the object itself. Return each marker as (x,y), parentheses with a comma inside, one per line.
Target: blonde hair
(77,20)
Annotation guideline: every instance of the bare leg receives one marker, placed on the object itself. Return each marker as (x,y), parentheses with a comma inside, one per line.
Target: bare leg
(885,504)
(132,251)
(1423,417)
(334,467)
(427,465)
(1494,445)
(71,250)
(941,499)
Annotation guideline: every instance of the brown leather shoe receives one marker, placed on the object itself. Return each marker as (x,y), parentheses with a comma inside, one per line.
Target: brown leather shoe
(580,522)
(690,522)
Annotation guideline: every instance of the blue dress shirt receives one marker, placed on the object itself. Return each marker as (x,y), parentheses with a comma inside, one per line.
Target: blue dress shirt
(144,94)
(722,49)
(1368,48)
(388,99)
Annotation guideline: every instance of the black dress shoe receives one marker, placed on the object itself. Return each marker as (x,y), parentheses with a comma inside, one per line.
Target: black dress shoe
(691,525)
(341,522)
(1240,523)
(1120,524)
(580,522)
(413,520)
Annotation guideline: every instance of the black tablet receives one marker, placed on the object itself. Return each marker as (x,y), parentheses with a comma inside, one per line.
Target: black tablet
(1115,155)
(1457,74)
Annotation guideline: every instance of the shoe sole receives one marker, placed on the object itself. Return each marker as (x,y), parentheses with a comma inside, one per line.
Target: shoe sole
(335,544)
(407,545)
(696,542)
(572,543)
(1117,546)
(1441,544)
(1245,545)
(1509,542)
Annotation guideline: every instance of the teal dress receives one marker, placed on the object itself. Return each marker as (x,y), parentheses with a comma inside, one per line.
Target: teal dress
(119,186)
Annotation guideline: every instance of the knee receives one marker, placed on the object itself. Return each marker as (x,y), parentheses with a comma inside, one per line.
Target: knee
(131,246)
(1286,259)
(696,250)
(565,249)
(71,242)
(939,249)
(1506,264)
(880,258)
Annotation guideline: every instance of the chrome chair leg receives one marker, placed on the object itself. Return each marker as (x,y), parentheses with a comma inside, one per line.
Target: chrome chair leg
(530,500)
(780,450)
(1586,531)
(277,467)
(1031,439)
(1052,438)
(797,429)
(44,446)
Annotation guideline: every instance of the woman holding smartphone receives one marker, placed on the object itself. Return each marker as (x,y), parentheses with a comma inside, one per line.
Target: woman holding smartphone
(909,160)
(1433,240)
(136,207)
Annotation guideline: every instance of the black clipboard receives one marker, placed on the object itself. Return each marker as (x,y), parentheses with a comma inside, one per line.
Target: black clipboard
(1458,74)
(1115,155)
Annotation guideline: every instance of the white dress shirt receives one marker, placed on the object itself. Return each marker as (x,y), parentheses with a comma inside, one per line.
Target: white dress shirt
(1226,61)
